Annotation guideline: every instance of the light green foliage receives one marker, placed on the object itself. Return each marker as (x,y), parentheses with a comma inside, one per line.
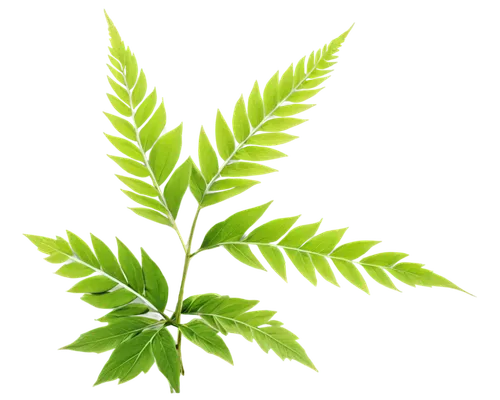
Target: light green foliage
(136,293)
(230,315)
(268,112)
(309,252)
(145,150)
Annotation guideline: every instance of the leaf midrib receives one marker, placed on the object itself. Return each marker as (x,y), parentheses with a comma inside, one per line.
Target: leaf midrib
(141,149)
(126,333)
(137,356)
(299,250)
(257,128)
(250,327)
(102,272)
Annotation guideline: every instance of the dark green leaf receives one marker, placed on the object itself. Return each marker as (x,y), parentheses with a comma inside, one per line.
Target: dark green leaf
(156,284)
(167,359)
(125,311)
(131,267)
(113,299)
(94,284)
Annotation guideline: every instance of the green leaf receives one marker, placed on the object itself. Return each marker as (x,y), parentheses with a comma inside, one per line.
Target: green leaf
(147,107)
(413,274)
(131,267)
(176,187)
(271,139)
(380,276)
(275,259)
(223,184)
(265,118)
(233,227)
(152,215)
(272,230)
(208,159)
(167,359)
(286,81)
(129,359)
(387,259)
(122,126)
(148,150)
(270,93)
(303,263)
(353,250)
(155,282)
(243,254)
(82,250)
(324,242)
(245,169)
(126,147)
(113,299)
(230,315)
(141,87)
(125,311)
(255,153)
(217,197)
(351,273)
(255,106)
(107,259)
(277,124)
(138,186)
(221,305)
(205,337)
(300,234)
(197,183)
(152,130)
(292,109)
(50,246)
(223,137)
(241,126)
(165,154)
(108,337)
(94,284)
(130,166)
(118,105)
(146,201)
(74,270)
(324,269)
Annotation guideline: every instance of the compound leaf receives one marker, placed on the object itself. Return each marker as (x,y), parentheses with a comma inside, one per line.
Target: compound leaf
(230,316)
(317,254)
(266,116)
(147,151)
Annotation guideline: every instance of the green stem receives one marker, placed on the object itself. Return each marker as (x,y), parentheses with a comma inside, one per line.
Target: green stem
(178,308)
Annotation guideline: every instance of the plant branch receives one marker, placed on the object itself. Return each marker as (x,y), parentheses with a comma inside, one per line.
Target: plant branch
(177,314)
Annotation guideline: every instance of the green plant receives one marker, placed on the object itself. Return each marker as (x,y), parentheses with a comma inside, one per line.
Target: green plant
(137,292)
